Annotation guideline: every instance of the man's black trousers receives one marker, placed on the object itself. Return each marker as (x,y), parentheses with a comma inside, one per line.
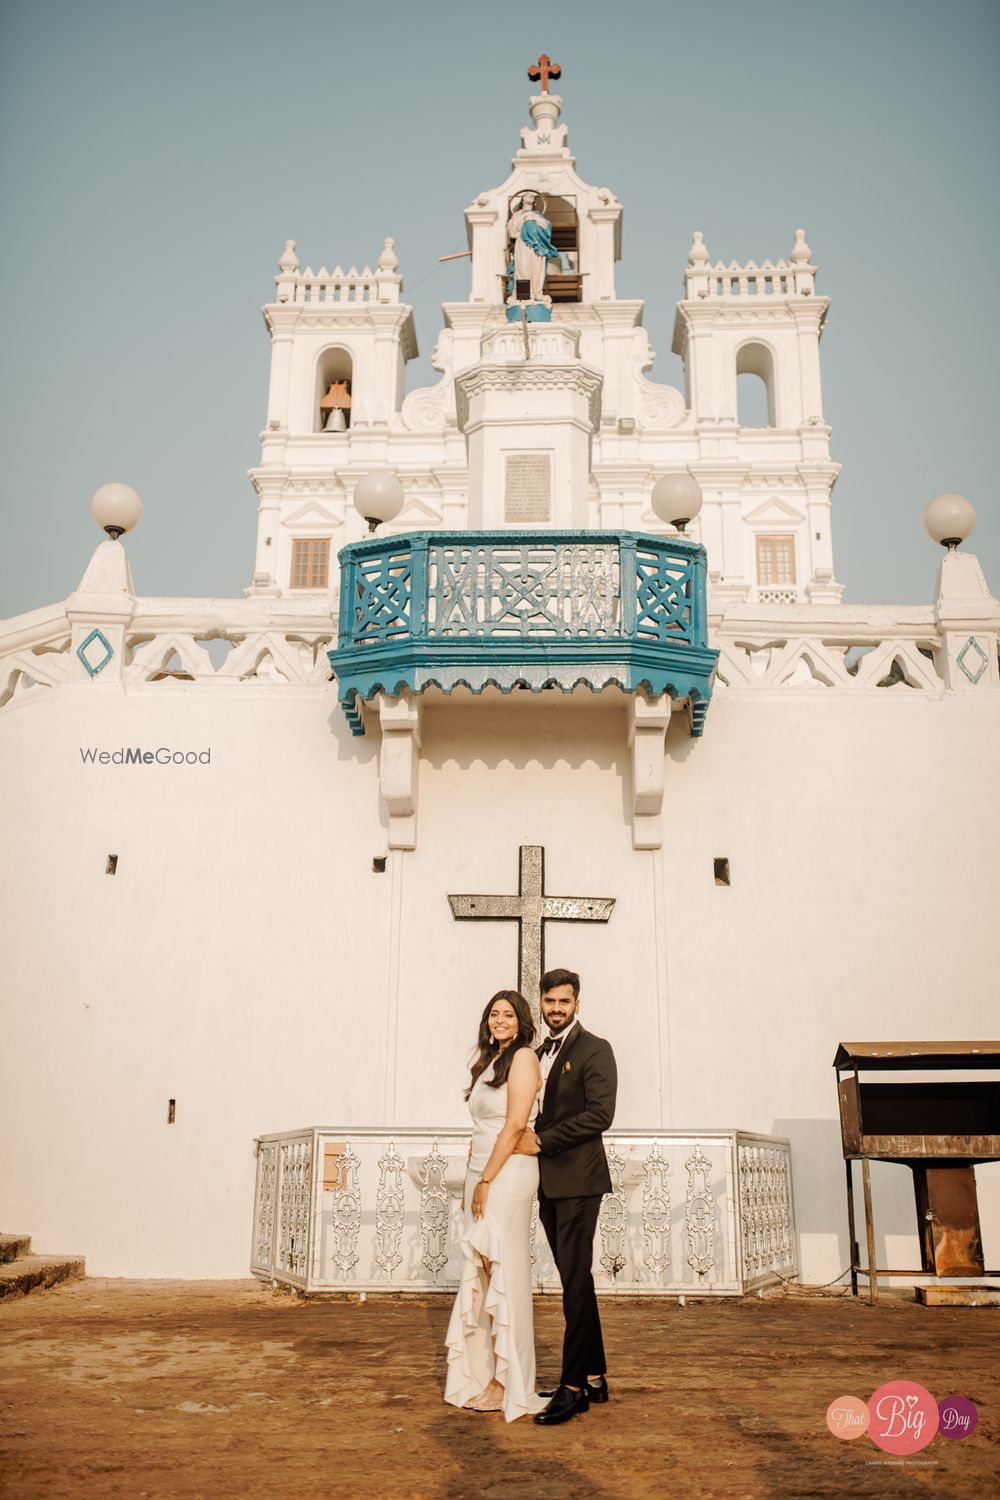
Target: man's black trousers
(569,1225)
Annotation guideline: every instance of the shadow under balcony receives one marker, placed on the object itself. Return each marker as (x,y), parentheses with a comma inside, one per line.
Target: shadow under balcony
(524,609)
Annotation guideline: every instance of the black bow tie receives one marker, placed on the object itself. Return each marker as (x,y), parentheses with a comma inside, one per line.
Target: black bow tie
(550,1044)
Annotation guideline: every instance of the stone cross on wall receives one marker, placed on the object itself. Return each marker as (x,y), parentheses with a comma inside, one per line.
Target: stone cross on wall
(544,70)
(531,908)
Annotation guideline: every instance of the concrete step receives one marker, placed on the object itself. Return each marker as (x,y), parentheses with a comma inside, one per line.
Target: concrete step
(13,1246)
(30,1273)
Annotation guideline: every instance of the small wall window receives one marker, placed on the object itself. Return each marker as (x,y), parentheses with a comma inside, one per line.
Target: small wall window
(755,398)
(310,562)
(776,561)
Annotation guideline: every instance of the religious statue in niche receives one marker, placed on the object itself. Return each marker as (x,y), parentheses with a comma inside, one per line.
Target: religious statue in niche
(530,234)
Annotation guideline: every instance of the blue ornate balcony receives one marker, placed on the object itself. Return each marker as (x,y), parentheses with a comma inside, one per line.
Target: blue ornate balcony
(523,609)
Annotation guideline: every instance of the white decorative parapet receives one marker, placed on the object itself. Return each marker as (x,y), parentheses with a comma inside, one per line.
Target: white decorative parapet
(949,646)
(163,641)
(852,655)
(784,278)
(170,640)
(103,634)
(696,1213)
(337,286)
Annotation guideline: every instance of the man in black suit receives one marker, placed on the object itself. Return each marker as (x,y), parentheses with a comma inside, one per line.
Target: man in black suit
(578,1103)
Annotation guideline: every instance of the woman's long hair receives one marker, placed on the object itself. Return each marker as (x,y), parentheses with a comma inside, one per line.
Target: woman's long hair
(487,1049)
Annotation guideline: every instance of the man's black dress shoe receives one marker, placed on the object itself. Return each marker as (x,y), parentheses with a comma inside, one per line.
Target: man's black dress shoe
(597,1391)
(564,1404)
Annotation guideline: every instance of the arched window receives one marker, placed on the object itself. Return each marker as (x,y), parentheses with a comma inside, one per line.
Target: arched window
(334,385)
(755,399)
(563,281)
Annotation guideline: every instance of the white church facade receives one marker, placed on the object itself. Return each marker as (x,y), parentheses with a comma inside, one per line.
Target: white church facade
(255,847)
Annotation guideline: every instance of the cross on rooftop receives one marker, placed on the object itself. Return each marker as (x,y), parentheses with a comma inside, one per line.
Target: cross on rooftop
(531,909)
(544,70)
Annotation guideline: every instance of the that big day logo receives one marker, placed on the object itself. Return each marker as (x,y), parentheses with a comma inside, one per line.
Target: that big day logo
(901,1417)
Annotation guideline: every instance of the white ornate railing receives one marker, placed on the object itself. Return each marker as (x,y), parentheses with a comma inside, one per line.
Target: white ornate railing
(782,278)
(165,641)
(278,642)
(335,286)
(856,648)
(754,661)
(338,286)
(771,279)
(779,594)
(698,1213)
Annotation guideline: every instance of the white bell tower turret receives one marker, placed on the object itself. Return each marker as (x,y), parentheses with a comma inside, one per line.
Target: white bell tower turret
(340,341)
(545,413)
(585,221)
(762,322)
(349,326)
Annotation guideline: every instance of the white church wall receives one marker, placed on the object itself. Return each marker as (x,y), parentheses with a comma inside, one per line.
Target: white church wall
(247,962)
(495,776)
(862,836)
(223,954)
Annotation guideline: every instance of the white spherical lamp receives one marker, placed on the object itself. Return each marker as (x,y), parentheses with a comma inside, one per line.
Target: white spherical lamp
(950,520)
(116,508)
(378,496)
(676,499)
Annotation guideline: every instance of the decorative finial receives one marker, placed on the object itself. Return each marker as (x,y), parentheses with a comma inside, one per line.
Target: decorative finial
(698,254)
(289,261)
(378,496)
(801,254)
(116,508)
(388,260)
(950,520)
(543,70)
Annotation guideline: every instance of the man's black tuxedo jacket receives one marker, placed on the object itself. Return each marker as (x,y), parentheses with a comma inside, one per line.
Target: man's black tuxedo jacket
(578,1102)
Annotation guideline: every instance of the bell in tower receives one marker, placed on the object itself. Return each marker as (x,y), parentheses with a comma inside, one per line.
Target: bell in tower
(335,407)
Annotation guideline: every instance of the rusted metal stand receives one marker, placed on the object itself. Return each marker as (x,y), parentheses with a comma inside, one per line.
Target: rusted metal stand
(940,1130)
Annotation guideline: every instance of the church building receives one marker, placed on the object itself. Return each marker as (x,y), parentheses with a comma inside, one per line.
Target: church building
(544,664)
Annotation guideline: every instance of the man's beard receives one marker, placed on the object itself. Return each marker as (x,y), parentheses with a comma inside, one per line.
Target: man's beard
(556,1029)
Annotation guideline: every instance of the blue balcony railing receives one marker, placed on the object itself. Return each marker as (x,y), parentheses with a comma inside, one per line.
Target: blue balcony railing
(523,609)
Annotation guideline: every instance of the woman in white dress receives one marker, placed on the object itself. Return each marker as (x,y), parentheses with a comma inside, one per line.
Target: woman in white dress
(491,1336)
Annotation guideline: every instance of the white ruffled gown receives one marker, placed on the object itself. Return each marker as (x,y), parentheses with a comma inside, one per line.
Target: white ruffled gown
(502,1301)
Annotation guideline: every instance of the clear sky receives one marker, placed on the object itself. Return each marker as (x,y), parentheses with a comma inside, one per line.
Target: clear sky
(155,157)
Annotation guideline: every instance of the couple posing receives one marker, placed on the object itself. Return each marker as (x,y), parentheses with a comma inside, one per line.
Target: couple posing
(537,1123)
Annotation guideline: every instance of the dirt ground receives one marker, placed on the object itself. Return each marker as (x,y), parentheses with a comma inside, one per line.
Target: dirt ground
(211,1390)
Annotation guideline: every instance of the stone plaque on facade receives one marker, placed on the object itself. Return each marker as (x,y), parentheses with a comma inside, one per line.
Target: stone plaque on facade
(527,497)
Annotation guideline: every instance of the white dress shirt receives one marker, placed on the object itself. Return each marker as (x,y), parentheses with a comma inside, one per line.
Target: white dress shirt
(548,1060)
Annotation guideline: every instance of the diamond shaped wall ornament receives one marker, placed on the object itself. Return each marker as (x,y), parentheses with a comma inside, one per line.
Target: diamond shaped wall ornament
(82,652)
(972,646)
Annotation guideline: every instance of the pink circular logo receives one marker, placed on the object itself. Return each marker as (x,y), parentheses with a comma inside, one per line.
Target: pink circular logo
(958,1417)
(847,1417)
(904,1417)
